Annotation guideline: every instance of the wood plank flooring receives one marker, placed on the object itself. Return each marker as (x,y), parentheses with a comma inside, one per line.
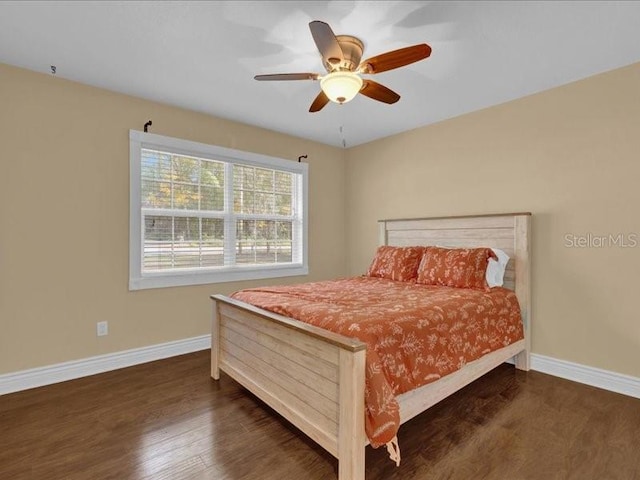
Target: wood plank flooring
(168,420)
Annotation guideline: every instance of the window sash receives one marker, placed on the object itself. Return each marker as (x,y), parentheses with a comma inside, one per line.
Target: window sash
(231,239)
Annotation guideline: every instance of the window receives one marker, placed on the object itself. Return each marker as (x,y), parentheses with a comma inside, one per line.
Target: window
(203,214)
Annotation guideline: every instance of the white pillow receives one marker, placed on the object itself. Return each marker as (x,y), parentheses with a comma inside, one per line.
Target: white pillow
(496,268)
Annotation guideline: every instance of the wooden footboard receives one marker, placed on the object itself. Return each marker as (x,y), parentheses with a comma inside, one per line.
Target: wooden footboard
(312,377)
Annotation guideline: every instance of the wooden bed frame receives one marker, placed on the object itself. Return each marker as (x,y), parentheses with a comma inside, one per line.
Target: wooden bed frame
(315,378)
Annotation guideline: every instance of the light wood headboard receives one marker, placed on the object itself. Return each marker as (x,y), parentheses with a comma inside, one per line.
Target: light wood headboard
(510,232)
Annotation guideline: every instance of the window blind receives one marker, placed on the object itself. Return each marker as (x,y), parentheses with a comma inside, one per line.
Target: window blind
(200,213)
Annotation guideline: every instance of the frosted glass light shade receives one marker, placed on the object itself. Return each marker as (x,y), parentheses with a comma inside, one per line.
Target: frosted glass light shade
(341,87)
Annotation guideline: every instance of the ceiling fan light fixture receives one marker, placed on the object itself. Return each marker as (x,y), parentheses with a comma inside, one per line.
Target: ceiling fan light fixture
(341,55)
(341,86)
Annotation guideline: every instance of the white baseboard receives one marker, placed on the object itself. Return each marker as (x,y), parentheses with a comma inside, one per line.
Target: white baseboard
(61,372)
(596,377)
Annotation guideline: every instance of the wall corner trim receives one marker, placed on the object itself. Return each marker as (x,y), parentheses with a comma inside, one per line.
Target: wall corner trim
(61,372)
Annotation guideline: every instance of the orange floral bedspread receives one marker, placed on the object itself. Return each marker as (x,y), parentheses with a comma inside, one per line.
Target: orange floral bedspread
(415,334)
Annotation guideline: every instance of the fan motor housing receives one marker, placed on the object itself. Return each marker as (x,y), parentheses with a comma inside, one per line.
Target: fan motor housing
(352,49)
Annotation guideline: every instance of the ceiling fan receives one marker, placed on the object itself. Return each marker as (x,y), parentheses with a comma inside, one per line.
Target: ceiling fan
(341,56)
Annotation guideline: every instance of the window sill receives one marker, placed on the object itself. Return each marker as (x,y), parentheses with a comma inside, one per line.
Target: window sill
(173,279)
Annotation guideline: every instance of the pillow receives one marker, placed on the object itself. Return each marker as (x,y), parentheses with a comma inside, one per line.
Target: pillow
(396,263)
(496,268)
(455,267)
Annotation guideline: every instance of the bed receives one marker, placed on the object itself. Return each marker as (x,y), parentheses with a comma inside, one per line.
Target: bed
(291,361)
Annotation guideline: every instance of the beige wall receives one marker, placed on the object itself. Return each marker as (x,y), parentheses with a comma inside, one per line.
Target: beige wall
(571,156)
(64,190)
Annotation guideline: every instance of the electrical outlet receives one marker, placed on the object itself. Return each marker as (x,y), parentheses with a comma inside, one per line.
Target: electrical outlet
(102,329)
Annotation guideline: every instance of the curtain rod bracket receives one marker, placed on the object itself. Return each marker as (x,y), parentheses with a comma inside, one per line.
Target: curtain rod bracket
(147,125)
(301,157)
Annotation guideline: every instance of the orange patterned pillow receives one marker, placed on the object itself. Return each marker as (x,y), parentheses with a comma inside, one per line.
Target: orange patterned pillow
(396,263)
(455,267)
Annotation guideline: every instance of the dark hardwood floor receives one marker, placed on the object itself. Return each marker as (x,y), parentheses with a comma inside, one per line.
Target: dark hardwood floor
(169,420)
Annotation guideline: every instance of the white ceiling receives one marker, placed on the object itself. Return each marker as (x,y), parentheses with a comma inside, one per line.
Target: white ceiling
(203,55)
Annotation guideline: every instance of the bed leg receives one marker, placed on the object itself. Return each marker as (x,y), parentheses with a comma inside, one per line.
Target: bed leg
(215,342)
(523,361)
(351,436)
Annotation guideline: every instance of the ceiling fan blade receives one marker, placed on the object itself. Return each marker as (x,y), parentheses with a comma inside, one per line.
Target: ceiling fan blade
(320,101)
(326,42)
(378,92)
(288,76)
(395,59)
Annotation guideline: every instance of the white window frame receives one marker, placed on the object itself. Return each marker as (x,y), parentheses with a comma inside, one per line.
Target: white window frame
(138,279)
